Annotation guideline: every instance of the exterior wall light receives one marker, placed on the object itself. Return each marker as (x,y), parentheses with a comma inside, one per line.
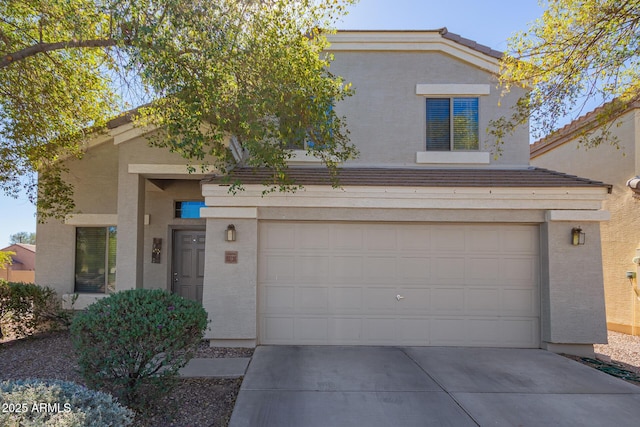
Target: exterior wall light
(577,236)
(230,235)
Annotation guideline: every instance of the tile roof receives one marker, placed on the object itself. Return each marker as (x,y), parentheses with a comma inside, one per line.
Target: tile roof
(383,177)
(470,43)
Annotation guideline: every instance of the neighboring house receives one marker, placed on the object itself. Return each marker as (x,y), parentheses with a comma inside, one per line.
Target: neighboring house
(431,239)
(23,263)
(619,166)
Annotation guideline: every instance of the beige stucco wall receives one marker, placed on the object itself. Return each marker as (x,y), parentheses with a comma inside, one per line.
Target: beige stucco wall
(230,290)
(387,120)
(620,235)
(95,182)
(95,179)
(572,300)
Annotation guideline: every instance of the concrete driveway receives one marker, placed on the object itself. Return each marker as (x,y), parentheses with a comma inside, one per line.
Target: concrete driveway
(309,386)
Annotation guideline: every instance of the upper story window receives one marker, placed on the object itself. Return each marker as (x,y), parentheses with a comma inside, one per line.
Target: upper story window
(452,124)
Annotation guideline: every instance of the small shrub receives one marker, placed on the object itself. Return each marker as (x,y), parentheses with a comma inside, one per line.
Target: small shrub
(58,403)
(133,342)
(26,308)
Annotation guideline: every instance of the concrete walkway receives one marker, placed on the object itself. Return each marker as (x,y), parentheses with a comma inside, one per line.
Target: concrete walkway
(423,386)
(229,367)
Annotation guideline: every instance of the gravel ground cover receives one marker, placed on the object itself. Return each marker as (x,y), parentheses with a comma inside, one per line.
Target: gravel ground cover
(209,402)
(195,402)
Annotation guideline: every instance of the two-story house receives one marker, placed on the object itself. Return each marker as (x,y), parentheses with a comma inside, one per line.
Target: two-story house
(431,239)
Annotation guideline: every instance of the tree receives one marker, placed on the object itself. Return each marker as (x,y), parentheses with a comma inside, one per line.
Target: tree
(23,237)
(578,53)
(209,71)
(5,259)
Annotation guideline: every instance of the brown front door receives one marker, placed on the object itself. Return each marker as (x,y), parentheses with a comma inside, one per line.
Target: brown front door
(188,263)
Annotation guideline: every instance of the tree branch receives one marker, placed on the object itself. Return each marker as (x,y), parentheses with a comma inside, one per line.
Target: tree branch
(27,52)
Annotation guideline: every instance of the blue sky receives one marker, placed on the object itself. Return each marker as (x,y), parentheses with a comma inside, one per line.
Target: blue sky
(489,22)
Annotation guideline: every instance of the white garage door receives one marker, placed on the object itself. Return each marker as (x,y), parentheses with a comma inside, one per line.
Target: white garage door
(398,284)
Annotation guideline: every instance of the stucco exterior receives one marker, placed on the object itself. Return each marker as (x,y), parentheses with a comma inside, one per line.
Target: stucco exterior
(124,182)
(620,237)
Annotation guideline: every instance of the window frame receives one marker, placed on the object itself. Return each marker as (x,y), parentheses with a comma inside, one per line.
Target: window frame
(451,130)
(107,286)
(201,204)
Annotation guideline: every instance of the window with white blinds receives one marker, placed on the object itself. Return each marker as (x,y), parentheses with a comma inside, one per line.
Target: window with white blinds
(452,124)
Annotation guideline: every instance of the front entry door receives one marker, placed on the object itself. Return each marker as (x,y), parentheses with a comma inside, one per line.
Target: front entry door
(188,263)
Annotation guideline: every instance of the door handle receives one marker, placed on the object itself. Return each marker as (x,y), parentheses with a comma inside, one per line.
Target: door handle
(399,297)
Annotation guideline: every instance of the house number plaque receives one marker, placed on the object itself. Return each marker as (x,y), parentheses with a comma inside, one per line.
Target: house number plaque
(231,257)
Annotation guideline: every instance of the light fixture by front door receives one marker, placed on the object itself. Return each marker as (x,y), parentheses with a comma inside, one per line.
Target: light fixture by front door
(230,235)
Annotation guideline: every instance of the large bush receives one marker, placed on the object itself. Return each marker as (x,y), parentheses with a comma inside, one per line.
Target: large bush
(133,342)
(26,308)
(54,403)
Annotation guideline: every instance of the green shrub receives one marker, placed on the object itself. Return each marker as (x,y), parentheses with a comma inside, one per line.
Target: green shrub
(133,342)
(26,308)
(31,402)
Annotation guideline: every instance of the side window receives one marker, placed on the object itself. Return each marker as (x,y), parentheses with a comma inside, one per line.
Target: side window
(452,124)
(95,270)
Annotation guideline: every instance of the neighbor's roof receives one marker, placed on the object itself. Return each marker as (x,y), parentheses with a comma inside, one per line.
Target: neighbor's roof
(383,177)
(584,123)
(31,248)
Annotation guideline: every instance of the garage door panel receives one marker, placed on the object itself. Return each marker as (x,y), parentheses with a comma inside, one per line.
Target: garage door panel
(399,284)
(414,239)
(345,330)
(448,332)
(311,330)
(346,268)
(277,268)
(483,301)
(482,270)
(312,236)
(417,301)
(278,299)
(311,268)
(380,238)
(413,331)
(380,300)
(277,236)
(449,270)
(447,300)
(312,299)
(348,237)
(484,239)
(379,269)
(413,269)
(519,271)
(519,332)
(346,299)
(520,240)
(448,239)
(277,329)
(519,301)
(380,331)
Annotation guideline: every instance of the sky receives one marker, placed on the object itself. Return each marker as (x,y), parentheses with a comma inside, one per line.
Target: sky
(488,22)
